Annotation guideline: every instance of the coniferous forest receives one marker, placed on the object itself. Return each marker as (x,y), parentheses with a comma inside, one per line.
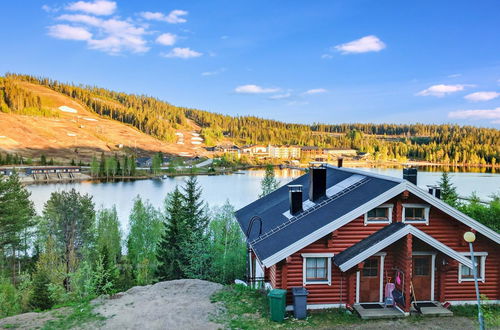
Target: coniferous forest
(450,144)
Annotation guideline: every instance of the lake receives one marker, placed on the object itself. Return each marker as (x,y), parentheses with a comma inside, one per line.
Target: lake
(239,189)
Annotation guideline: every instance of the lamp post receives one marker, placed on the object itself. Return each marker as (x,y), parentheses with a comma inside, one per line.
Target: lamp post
(470,237)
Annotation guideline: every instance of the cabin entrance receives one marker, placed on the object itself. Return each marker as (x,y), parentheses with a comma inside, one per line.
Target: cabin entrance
(422,279)
(370,280)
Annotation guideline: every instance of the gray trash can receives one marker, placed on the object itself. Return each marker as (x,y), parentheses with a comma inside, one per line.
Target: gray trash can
(299,302)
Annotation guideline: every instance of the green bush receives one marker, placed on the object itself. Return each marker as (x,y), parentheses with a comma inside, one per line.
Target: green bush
(9,302)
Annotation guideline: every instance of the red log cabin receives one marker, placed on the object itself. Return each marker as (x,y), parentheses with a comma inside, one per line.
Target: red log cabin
(354,232)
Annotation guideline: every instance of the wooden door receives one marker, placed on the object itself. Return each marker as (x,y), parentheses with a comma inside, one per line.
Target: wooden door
(422,270)
(369,281)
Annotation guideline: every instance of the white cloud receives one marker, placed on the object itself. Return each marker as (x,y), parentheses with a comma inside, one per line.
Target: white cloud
(442,90)
(280,96)
(97,7)
(213,73)
(63,31)
(493,114)
(119,36)
(326,56)
(481,96)
(455,75)
(80,18)
(254,89)
(182,53)
(366,44)
(173,17)
(315,91)
(166,39)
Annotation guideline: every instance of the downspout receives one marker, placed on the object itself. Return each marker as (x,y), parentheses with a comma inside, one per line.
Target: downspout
(249,250)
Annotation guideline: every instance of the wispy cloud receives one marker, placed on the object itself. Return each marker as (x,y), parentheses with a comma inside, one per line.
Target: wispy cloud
(442,90)
(184,53)
(326,56)
(315,91)
(455,75)
(166,39)
(297,103)
(481,96)
(174,17)
(254,89)
(213,73)
(280,96)
(81,18)
(97,7)
(366,44)
(493,114)
(50,9)
(63,31)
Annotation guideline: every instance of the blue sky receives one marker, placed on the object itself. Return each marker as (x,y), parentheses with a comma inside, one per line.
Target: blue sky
(297,61)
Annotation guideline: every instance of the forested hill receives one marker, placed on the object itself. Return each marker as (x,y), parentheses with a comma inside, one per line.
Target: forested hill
(435,143)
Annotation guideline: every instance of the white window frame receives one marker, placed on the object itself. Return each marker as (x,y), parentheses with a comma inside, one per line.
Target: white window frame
(389,208)
(427,211)
(481,269)
(328,257)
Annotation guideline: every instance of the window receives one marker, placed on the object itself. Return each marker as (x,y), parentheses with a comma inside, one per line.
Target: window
(416,213)
(465,273)
(421,266)
(317,268)
(370,268)
(380,214)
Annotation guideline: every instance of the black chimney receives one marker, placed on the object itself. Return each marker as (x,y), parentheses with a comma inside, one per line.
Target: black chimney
(295,192)
(340,162)
(317,182)
(410,174)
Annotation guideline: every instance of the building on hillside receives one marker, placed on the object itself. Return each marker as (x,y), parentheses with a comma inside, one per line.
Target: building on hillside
(256,150)
(6,171)
(144,162)
(51,169)
(348,235)
(225,149)
(314,153)
(340,152)
(284,152)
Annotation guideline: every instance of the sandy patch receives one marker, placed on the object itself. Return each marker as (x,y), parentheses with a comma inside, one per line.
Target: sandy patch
(179,304)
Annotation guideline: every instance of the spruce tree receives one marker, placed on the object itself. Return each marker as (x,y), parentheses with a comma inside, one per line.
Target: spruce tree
(448,190)
(194,208)
(170,254)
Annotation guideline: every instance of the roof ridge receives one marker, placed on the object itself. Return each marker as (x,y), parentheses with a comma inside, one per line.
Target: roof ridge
(366,173)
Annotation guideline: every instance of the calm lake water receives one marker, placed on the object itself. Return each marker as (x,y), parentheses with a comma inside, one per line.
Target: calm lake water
(239,189)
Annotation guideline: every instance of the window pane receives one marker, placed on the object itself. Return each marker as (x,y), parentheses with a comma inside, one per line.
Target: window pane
(320,262)
(321,273)
(371,214)
(379,213)
(311,262)
(310,273)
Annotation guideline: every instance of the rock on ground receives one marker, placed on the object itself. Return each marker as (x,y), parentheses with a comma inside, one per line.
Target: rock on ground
(179,304)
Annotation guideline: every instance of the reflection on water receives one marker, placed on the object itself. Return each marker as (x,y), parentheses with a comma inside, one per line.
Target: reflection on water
(238,189)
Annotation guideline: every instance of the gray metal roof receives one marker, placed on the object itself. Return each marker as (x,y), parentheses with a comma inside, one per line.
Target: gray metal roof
(349,190)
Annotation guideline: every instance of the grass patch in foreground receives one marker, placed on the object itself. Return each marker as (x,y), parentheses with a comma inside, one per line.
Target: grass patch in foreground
(247,308)
(82,312)
(491,313)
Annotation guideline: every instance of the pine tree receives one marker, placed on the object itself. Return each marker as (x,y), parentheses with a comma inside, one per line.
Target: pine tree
(269,183)
(175,234)
(448,190)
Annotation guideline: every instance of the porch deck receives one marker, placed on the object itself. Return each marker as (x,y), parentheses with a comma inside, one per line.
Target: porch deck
(436,310)
(378,313)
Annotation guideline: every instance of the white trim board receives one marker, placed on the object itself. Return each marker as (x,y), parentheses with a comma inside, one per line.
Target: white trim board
(408,229)
(382,198)
(289,308)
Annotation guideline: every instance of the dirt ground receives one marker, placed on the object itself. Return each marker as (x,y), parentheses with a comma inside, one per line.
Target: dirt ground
(179,304)
(433,323)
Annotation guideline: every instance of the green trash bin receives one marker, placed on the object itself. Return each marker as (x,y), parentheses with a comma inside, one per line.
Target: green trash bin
(277,304)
